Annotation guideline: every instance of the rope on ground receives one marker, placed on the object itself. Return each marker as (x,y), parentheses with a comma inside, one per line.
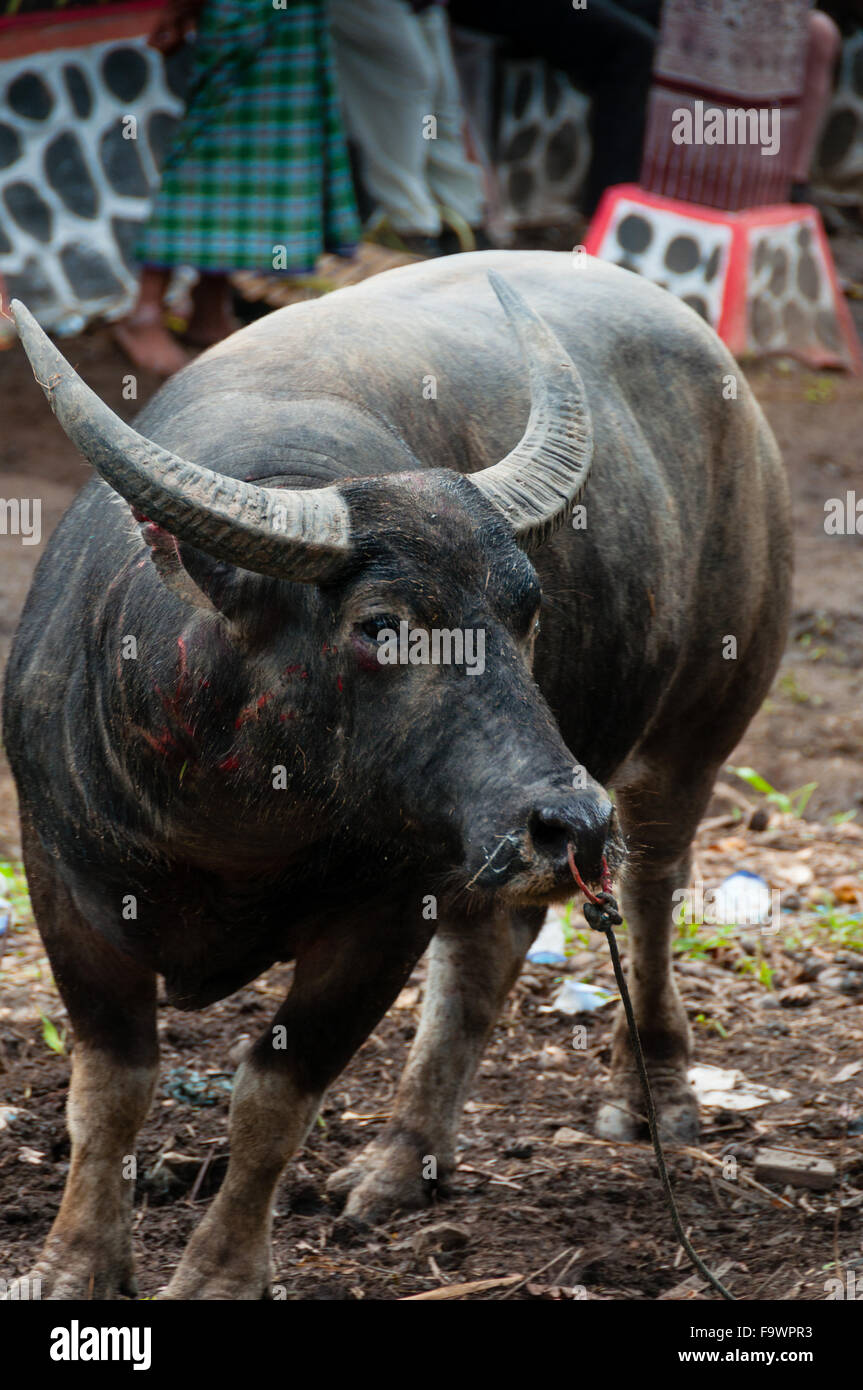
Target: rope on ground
(602,914)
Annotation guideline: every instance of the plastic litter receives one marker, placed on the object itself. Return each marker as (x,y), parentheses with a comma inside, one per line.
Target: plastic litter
(742,899)
(549,948)
(577,997)
(193,1089)
(717,1089)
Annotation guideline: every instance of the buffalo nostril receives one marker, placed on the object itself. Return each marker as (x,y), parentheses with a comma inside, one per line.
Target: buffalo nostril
(549,831)
(585,824)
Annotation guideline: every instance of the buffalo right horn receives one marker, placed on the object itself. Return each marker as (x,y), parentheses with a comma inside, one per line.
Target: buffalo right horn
(287,533)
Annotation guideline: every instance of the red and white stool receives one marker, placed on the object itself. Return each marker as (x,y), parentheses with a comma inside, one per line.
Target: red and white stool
(763,278)
(712,222)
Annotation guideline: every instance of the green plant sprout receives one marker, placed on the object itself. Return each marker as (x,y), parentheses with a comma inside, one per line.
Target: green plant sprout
(56,1041)
(790,803)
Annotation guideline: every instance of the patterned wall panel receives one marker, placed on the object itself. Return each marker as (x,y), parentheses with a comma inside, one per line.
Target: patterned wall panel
(542,147)
(74,186)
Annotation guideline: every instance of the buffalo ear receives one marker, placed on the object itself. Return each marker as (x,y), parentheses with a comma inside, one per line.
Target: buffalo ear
(217,582)
(194,577)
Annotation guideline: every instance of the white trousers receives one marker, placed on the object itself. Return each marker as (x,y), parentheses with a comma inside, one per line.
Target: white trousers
(396,71)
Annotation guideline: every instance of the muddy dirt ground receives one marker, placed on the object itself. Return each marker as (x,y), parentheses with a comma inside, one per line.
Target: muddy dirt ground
(535,1195)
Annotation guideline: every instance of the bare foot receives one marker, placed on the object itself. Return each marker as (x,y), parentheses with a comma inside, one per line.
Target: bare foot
(205,333)
(212,317)
(148,344)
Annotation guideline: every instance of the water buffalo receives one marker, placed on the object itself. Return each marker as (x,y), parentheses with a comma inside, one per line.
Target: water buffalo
(216,770)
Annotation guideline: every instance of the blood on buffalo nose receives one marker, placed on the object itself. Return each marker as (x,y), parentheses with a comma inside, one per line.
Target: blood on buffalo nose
(583,822)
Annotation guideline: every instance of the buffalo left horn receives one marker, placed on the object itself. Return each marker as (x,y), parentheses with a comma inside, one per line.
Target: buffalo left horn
(537,483)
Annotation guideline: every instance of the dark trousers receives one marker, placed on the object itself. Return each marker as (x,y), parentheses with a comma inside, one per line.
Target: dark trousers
(606,49)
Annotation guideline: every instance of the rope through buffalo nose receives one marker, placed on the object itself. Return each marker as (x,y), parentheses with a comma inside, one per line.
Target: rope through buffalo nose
(603,914)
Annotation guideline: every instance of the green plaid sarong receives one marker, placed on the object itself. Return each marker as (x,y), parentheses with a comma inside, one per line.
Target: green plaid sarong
(260,161)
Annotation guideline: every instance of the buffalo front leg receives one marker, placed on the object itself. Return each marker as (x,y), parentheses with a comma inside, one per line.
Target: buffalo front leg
(659,819)
(343,985)
(88,1253)
(472,966)
(112,1005)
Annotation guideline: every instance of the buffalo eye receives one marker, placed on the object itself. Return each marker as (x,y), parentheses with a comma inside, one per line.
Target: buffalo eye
(372,628)
(533,629)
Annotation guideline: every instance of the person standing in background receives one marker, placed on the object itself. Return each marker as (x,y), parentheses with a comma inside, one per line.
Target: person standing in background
(822,55)
(606,49)
(402,109)
(258,177)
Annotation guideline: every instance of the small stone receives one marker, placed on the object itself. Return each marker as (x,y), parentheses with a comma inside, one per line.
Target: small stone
(553,1056)
(760,819)
(700,970)
(846,890)
(795,997)
(566,1136)
(808,970)
(797,1169)
(845,983)
(444,1235)
(798,875)
(775,1028)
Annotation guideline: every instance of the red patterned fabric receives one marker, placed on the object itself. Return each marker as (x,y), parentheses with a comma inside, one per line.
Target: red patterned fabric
(726,56)
(32,13)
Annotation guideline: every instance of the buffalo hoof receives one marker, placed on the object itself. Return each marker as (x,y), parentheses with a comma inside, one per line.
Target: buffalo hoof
(205,1284)
(64,1273)
(223,1263)
(386,1177)
(622,1119)
(192,1289)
